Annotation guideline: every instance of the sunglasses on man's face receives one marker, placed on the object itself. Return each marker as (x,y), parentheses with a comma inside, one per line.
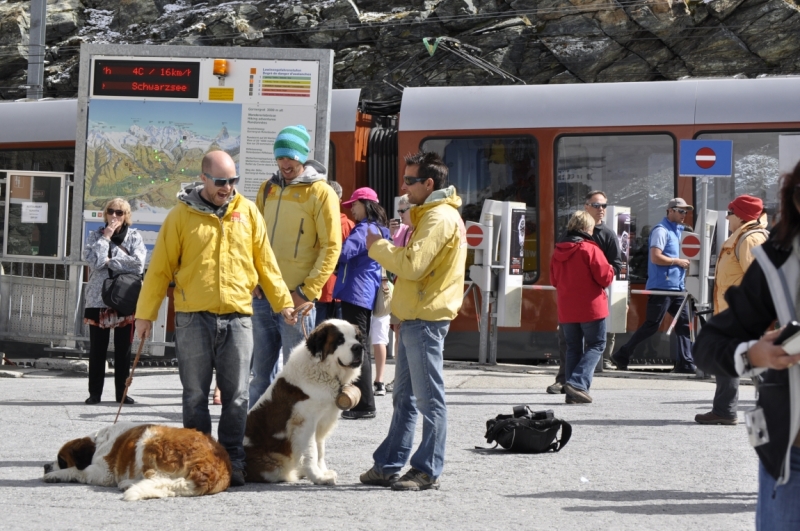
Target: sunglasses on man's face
(113,212)
(219,183)
(409,180)
(680,211)
(598,205)
(402,210)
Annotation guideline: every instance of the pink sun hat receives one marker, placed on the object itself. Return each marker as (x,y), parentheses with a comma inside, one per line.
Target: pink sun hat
(362,193)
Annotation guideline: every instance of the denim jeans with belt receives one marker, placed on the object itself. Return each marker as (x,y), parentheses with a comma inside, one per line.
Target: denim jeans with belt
(418,386)
(270,334)
(204,341)
(777,508)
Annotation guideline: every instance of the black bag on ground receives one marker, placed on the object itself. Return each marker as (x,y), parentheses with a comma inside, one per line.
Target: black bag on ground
(121,292)
(526,431)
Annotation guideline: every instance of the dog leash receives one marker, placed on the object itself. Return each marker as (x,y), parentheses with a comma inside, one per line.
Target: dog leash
(130,378)
(301,312)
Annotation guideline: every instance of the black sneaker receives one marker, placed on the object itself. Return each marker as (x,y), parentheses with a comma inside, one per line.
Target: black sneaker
(128,400)
(355,415)
(415,480)
(380,389)
(237,477)
(616,360)
(92,400)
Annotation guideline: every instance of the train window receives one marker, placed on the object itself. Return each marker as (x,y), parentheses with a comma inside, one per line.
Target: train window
(636,171)
(504,168)
(38,159)
(755,169)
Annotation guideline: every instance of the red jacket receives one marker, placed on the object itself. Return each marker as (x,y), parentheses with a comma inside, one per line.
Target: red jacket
(327,289)
(579,271)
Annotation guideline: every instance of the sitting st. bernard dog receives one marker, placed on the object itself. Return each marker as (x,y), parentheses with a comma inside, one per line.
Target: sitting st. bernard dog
(145,461)
(290,422)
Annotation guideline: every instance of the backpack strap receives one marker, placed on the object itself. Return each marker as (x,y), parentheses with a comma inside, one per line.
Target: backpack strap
(744,236)
(267,188)
(566,433)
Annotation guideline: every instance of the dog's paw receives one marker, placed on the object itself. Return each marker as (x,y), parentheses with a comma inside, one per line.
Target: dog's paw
(327,477)
(51,477)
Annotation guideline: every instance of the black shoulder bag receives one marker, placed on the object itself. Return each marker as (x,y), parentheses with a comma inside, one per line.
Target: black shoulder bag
(121,292)
(529,432)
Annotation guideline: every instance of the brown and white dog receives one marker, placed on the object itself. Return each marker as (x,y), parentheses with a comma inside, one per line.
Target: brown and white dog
(287,427)
(145,461)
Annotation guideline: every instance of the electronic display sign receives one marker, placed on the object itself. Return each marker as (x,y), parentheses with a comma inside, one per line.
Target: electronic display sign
(147,79)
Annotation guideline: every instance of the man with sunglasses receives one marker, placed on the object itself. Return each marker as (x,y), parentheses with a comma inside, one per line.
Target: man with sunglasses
(665,272)
(305,232)
(427,296)
(595,203)
(213,245)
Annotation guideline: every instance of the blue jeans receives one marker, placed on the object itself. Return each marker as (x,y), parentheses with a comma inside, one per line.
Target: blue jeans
(418,385)
(204,341)
(781,513)
(585,345)
(657,307)
(270,334)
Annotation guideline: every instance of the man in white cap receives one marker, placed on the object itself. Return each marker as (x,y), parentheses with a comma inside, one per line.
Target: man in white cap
(302,215)
(665,272)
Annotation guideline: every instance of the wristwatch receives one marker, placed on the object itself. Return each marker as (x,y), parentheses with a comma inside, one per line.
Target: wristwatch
(299,291)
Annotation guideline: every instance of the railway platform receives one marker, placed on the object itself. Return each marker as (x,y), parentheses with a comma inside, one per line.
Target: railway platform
(636,460)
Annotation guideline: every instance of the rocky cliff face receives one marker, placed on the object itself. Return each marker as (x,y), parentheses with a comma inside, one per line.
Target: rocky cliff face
(539,41)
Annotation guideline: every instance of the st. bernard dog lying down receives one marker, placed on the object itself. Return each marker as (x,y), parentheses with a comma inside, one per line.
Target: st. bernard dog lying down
(287,427)
(145,461)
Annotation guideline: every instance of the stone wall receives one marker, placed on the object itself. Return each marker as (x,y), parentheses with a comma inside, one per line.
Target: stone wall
(540,41)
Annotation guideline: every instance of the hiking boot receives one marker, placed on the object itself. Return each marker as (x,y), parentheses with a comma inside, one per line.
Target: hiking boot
(378,479)
(617,360)
(390,387)
(380,389)
(415,480)
(555,389)
(237,477)
(579,397)
(713,418)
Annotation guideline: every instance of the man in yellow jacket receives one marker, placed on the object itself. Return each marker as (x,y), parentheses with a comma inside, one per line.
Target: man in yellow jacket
(214,246)
(427,296)
(305,232)
(747,231)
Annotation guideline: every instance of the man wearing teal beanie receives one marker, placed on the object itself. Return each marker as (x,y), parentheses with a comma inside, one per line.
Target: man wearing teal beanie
(304,229)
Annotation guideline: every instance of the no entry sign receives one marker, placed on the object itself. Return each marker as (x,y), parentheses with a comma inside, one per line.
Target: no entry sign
(474,236)
(690,245)
(706,158)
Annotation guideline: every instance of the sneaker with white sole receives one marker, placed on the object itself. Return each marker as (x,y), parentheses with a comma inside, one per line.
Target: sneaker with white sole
(380,389)
(415,480)
(378,479)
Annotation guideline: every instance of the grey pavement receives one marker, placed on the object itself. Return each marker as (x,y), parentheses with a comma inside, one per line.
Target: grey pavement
(636,461)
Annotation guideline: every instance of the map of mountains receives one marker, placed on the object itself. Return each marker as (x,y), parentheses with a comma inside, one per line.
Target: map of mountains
(147,164)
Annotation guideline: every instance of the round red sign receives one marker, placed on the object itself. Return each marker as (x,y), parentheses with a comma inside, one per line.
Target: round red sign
(690,246)
(474,235)
(705,157)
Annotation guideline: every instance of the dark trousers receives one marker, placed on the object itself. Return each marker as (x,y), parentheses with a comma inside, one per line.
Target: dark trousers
(327,310)
(98,350)
(726,398)
(562,353)
(361,317)
(657,307)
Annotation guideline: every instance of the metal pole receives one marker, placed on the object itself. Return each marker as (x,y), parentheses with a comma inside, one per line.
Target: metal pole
(36,49)
(486,293)
(704,249)
(493,331)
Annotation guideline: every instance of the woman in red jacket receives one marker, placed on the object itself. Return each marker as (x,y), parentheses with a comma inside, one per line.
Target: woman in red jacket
(580,273)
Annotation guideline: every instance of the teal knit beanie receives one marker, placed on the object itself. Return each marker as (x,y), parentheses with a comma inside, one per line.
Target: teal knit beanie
(292,142)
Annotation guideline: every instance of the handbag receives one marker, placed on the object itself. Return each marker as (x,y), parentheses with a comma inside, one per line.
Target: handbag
(529,432)
(121,292)
(383,301)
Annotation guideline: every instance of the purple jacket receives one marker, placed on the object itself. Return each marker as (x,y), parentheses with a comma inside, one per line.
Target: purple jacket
(358,277)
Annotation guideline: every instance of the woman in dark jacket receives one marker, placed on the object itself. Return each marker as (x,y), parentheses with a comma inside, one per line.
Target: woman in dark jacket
(115,248)
(358,279)
(736,343)
(580,273)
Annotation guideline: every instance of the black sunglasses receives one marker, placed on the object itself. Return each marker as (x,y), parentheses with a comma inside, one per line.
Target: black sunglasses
(730,213)
(680,210)
(402,210)
(598,205)
(118,213)
(219,183)
(409,180)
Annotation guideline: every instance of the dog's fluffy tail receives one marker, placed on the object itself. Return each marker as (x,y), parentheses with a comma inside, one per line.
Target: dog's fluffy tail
(160,487)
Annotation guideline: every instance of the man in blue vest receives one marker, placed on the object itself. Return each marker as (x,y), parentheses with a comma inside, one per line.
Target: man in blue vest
(665,272)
